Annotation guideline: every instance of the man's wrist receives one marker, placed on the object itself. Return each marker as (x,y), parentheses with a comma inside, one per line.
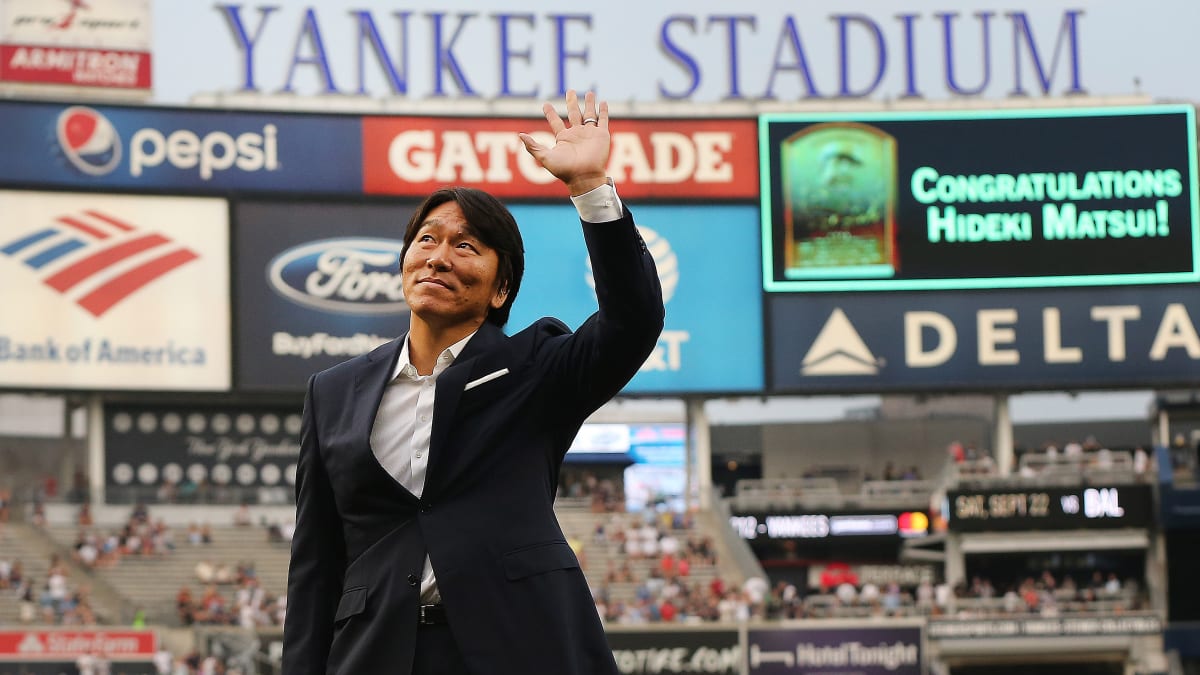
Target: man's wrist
(600,204)
(584,184)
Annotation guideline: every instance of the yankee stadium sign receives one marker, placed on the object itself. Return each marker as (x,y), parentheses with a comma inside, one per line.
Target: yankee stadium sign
(669,51)
(464,47)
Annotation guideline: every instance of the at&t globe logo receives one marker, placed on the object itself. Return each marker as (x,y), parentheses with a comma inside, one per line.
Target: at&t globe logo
(665,261)
(88,140)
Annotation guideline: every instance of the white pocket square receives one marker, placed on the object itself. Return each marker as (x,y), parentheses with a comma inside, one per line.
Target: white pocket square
(486,378)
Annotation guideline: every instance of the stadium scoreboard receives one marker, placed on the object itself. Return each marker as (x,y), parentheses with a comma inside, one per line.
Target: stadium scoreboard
(963,200)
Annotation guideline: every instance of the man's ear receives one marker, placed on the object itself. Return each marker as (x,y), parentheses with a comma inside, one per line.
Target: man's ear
(500,295)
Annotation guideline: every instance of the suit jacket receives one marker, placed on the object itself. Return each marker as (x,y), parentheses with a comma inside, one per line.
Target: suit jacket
(515,597)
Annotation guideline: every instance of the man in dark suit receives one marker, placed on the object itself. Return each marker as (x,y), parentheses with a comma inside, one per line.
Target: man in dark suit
(426,540)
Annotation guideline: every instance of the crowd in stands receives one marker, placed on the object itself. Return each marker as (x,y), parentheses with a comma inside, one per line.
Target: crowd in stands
(1088,454)
(1047,595)
(890,472)
(604,495)
(664,590)
(54,601)
(139,536)
(195,663)
(249,605)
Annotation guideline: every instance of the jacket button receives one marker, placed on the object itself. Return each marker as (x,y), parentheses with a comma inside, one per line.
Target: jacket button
(413,579)
(426,507)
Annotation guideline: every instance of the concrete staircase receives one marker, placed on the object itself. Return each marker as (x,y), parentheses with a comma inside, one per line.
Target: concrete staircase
(33,547)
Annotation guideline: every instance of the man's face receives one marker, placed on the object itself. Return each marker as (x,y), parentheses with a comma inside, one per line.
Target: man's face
(840,165)
(450,275)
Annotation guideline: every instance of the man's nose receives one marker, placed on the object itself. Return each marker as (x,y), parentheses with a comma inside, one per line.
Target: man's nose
(439,259)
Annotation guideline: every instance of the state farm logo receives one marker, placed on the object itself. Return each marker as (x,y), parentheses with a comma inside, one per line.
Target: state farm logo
(95,258)
(351,275)
(31,644)
(91,144)
(88,140)
(665,261)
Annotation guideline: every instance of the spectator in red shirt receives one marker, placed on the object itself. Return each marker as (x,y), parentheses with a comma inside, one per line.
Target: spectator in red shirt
(667,611)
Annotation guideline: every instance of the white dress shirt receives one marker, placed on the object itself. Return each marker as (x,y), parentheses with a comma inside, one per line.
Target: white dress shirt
(404,422)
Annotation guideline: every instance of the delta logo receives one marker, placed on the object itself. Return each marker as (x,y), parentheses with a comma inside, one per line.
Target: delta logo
(96,259)
(839,350)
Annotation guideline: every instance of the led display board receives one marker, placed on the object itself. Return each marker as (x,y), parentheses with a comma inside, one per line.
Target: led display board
(975,199)
(1049,508)
(754,526)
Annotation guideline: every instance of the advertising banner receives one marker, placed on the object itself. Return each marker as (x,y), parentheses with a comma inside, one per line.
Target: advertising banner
(1050,508)
(754,526)
(984,340)
(189,151)
(696,159)
(712,339)
(114,292)
(317,284)
(1034,627)
(979,199)
(845,651)
(694,651)
(98,43)
(190,447)
(57,644)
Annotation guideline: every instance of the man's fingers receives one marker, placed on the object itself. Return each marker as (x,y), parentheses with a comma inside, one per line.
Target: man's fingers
(602,116)
(556,123)
(573,114)
(533,147)
(589,106)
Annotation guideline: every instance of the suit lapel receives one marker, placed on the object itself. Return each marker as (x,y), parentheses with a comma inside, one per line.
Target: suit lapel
(369,384)
(450,386)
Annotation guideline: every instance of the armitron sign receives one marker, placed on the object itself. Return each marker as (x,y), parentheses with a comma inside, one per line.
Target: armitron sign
(98,43)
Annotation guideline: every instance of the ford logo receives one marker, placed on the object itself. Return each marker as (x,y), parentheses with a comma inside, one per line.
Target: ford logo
(354,276)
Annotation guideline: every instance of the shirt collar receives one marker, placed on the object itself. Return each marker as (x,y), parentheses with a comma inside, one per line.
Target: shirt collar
(404,366)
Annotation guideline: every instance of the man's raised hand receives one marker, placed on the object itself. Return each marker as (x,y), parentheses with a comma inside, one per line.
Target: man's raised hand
(579,156)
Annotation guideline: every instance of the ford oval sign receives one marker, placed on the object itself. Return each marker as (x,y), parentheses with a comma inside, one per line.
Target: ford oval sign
(350,276)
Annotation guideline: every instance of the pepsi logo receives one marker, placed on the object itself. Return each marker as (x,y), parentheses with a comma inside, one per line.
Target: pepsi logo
(88,140)
(350,275)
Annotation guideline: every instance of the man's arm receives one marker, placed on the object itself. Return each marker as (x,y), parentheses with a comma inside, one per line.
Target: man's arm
(318,557)
(607,350)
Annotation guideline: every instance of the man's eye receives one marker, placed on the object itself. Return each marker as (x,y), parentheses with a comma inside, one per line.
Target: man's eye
(467,245)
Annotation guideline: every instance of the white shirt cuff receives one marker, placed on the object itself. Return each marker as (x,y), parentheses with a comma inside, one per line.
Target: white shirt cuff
(599,205)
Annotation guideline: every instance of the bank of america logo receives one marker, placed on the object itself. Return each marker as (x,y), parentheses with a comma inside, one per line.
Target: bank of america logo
(839,350)
(96,259)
